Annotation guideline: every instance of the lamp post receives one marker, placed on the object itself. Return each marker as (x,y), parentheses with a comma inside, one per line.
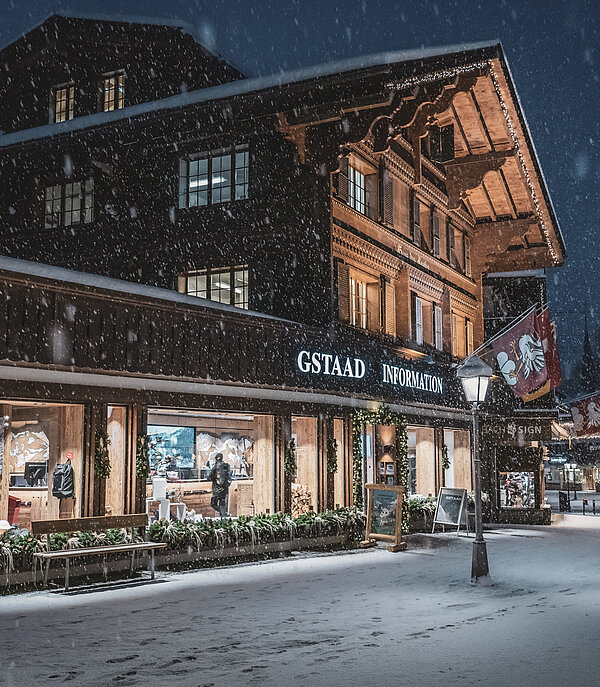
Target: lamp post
(475,375)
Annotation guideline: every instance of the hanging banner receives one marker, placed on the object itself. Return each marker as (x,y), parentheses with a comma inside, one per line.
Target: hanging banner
(547,332)
(586,416)
(520,357)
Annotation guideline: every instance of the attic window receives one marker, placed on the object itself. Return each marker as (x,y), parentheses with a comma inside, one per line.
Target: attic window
(113,91)
(62,103)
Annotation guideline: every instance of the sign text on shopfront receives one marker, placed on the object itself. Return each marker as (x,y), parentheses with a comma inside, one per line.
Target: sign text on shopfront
(329,364)
(412,379)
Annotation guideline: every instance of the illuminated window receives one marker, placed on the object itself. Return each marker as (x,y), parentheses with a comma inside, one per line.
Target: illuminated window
(356,190)
(358,303)
(113,91)
(62,106)
(224,285)
(68,204)
(216,177)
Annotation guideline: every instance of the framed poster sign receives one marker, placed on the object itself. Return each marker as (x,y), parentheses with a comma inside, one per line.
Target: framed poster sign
(384,515)
(451,508)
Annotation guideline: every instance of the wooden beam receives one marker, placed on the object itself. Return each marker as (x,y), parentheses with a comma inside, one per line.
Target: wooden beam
(466,173)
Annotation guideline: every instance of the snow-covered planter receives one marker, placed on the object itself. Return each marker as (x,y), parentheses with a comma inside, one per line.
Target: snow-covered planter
(17,549)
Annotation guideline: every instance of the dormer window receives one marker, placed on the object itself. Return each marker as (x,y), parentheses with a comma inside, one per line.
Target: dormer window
(113,91)
(62,103)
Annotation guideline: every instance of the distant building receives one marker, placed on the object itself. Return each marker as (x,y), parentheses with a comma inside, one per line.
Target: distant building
(338,236)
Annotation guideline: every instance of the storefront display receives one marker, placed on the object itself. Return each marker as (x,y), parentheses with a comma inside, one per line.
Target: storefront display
(517,489)
(184,445)
(44,461)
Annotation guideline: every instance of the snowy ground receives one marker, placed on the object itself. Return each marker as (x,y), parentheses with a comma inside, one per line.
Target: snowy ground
(360,618)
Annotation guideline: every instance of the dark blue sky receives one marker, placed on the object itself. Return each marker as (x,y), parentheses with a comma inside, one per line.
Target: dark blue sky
(552,48)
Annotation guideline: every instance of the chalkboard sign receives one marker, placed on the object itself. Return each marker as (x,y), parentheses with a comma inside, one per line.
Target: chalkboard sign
(451,508)
(384,515)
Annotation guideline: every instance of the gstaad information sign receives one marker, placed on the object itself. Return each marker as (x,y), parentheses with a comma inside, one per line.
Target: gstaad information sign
(387,373)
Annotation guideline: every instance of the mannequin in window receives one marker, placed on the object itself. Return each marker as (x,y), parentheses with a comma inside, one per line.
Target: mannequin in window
(63,488)
(220,476)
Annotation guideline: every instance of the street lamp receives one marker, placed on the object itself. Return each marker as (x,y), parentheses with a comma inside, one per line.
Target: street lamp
(475,375)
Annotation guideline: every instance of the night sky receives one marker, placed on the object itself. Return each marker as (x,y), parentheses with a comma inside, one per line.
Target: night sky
(552,49)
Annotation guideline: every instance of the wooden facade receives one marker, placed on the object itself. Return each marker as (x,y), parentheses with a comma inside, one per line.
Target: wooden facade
(380,198)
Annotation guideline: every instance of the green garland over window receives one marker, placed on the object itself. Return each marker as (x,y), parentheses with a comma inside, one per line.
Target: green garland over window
(382,416)
(445,459)
(101,455)
(290,462)
(332,455)
(142,458)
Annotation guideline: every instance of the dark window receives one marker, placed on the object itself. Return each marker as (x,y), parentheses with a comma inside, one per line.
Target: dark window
(224,285)
(216,177)
(70,203)
(113,91)
(62,103)
(441,143)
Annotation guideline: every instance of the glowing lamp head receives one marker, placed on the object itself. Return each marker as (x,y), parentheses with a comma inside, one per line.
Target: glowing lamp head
(474,375)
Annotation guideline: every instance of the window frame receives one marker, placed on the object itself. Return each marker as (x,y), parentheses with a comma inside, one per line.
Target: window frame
(210,156)
(65,204)
(209,273)
(69,109)
(118,74)
(357,180)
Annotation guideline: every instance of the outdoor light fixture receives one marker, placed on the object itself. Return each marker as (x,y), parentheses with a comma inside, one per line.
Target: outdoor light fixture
(475,375)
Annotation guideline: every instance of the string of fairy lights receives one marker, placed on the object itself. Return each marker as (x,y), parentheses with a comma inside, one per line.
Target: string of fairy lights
(456,71)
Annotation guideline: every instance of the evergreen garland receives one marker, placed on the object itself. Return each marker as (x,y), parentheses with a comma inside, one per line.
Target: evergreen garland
(445,459)
(290,462)
(382,416)
(101,455)
(332,455)
(142,459)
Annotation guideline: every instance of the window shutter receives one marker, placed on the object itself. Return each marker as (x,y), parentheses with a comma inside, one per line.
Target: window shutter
(469,334)
(372,196)
(416,220)
(418,320)
(436,232)
(183,183)
(388,198)
(373,307)
(467,249)
(342,180)
(343,288)
(439,341)
(390,308)
(450,244)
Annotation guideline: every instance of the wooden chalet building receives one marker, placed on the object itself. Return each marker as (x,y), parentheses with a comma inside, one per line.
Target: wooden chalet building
(225,263)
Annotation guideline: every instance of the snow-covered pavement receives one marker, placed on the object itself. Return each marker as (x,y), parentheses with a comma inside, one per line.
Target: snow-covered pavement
(358,618)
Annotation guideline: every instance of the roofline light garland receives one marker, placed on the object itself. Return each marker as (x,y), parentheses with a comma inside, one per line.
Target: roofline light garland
(449,73)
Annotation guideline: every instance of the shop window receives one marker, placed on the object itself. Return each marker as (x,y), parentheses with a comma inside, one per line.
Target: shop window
(517,489)
(183,449)
(116,426)
(62,103)
(69,203)
(219,176)
(304,482)
(226,285)
(113,91)
(45,441)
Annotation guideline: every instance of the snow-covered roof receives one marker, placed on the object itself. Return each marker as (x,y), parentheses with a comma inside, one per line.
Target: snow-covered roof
(201,37)
(61,274)
(243,87)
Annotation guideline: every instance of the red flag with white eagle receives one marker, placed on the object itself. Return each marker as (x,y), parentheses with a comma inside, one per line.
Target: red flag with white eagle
(586,416)
(547,332)
(520,356)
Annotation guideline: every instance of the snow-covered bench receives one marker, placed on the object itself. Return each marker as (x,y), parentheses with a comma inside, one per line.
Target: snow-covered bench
(94,524)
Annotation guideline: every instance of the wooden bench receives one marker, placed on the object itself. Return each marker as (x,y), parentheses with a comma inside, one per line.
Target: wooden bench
(95,524)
